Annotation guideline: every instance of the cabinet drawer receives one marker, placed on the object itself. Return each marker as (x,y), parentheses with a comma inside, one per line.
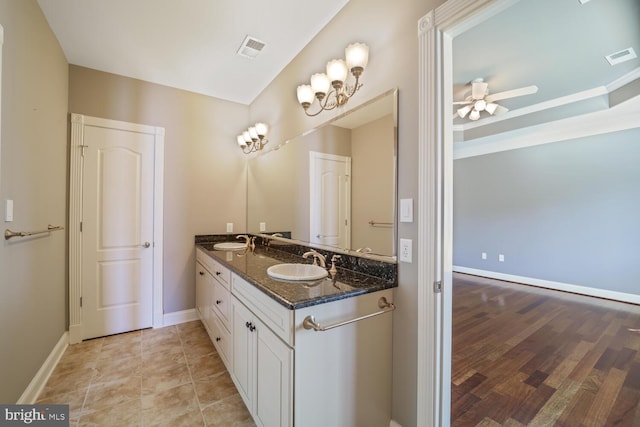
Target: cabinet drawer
(217,270)
(221,338)
(275,316)
(221,302)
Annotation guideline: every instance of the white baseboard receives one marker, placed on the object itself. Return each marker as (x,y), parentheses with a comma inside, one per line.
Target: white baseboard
(177,317)
(33,390)
(558,286)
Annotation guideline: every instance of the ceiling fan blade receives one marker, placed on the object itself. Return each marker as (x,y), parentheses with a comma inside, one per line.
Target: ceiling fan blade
(478,90)
(463,102)
(528,90)
(500,110)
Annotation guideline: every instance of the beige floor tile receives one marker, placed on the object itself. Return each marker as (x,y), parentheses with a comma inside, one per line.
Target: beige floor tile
(121,350)
(169,376)
(177,419)
(127,414)
(230,412)
(75,400)
(215,388)
(169,404)
(196,324)
(161,348)
(62,382)
(103,395)
(170,357)
(125,338)
(206,366)
(84,348)
(108,370)
(196,350)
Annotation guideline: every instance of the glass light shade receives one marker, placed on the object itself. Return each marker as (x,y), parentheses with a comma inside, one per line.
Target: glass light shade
(320,83)
(462,112)
(252,133)
(261,129)
(474,115)
(491,108)
(305,94)
(480,105)
(247,137)
(357,55)
(241,141)
(337,70)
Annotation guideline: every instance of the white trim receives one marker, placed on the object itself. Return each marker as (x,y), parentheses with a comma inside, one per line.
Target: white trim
(177,317)
(78,122)
(549,284)
(590,124)
(33,390)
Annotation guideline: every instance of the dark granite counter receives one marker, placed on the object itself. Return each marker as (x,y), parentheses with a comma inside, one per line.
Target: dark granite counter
(252,266)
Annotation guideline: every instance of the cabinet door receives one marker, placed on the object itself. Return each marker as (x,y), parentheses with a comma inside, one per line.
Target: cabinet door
(243,352)
(202,299)
(274,374)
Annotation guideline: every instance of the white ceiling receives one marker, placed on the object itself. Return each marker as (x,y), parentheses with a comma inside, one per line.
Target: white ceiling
(188,44)
(558,45)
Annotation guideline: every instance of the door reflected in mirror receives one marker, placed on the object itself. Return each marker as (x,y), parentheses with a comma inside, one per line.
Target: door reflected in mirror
(333,186)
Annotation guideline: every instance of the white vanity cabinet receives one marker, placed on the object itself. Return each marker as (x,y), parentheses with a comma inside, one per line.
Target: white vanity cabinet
(262,365)
(213,303)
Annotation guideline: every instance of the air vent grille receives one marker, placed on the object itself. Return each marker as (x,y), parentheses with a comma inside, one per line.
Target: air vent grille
(251,47)
(621,56)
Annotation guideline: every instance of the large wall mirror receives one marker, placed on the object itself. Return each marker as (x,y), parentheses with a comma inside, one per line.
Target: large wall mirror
(335,185)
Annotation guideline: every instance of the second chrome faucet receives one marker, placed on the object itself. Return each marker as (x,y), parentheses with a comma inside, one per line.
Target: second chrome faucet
(317,258)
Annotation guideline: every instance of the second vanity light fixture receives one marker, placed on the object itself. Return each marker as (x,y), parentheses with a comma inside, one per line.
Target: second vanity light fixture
(357,57)
(253,139)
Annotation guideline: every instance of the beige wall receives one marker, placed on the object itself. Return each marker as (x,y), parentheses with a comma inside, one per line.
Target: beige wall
(33,173)
(390,30)
(372,185)
(204,172)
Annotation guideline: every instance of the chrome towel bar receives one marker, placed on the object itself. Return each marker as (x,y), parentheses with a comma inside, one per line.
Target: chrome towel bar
(8,234)
(310,322)
(380,224)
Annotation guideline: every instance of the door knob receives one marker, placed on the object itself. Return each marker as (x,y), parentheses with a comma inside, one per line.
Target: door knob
(146,244)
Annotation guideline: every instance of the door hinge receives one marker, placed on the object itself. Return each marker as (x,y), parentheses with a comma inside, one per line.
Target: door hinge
(81,226)
(80,301)
(82,147)
(437,286)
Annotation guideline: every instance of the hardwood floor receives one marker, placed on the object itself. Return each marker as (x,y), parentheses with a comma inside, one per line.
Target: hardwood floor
(529,356)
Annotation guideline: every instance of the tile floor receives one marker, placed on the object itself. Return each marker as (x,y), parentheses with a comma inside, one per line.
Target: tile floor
(154,377)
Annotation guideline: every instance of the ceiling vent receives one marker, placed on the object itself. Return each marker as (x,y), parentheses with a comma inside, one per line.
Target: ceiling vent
(621,56)
(250,47)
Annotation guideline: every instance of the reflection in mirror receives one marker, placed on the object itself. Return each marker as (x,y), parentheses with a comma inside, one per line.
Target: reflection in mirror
(333,186)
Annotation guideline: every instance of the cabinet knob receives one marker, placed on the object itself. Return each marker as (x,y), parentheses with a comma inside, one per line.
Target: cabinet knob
(218,273)
(218,301)
(247,324)
(218,339)
(202,273)
(251,327)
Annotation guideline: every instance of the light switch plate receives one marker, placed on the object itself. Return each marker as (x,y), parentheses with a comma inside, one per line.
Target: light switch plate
(406,210)
(405,250)
(8,210)
(263,226)
(229,227)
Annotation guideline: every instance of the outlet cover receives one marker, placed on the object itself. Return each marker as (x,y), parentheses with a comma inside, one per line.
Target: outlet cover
(501,258)
(229,227)
(405,250)
(263,226)
(484,255)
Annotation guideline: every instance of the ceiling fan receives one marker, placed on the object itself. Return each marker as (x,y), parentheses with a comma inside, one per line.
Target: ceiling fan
(480,100)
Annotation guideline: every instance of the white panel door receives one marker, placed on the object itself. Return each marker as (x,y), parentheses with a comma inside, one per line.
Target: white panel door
(330,199)
(117,235)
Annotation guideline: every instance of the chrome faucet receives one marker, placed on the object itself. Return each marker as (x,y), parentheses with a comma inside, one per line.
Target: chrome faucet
(333,271)
(317,258)
(247,240)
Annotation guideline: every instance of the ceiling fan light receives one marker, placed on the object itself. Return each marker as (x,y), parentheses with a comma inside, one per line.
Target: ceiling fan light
(474,115)
(462,112)
(480,105)
(491,108)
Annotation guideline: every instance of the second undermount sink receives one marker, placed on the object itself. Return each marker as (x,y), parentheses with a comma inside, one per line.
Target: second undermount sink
(229,246)
(297,272)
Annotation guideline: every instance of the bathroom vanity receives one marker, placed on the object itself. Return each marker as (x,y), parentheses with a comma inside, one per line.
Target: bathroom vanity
(287,372)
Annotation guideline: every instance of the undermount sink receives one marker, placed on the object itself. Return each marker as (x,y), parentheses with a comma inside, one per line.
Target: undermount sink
(298,272)
(229,246)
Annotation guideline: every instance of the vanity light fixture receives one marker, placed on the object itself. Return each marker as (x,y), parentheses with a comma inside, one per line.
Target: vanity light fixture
(253,139)
(357,57)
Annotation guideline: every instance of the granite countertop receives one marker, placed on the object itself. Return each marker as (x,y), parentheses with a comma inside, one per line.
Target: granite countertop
(252,266)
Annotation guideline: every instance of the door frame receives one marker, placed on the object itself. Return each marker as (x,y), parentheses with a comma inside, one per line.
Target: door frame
(436,31)
(78,123)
